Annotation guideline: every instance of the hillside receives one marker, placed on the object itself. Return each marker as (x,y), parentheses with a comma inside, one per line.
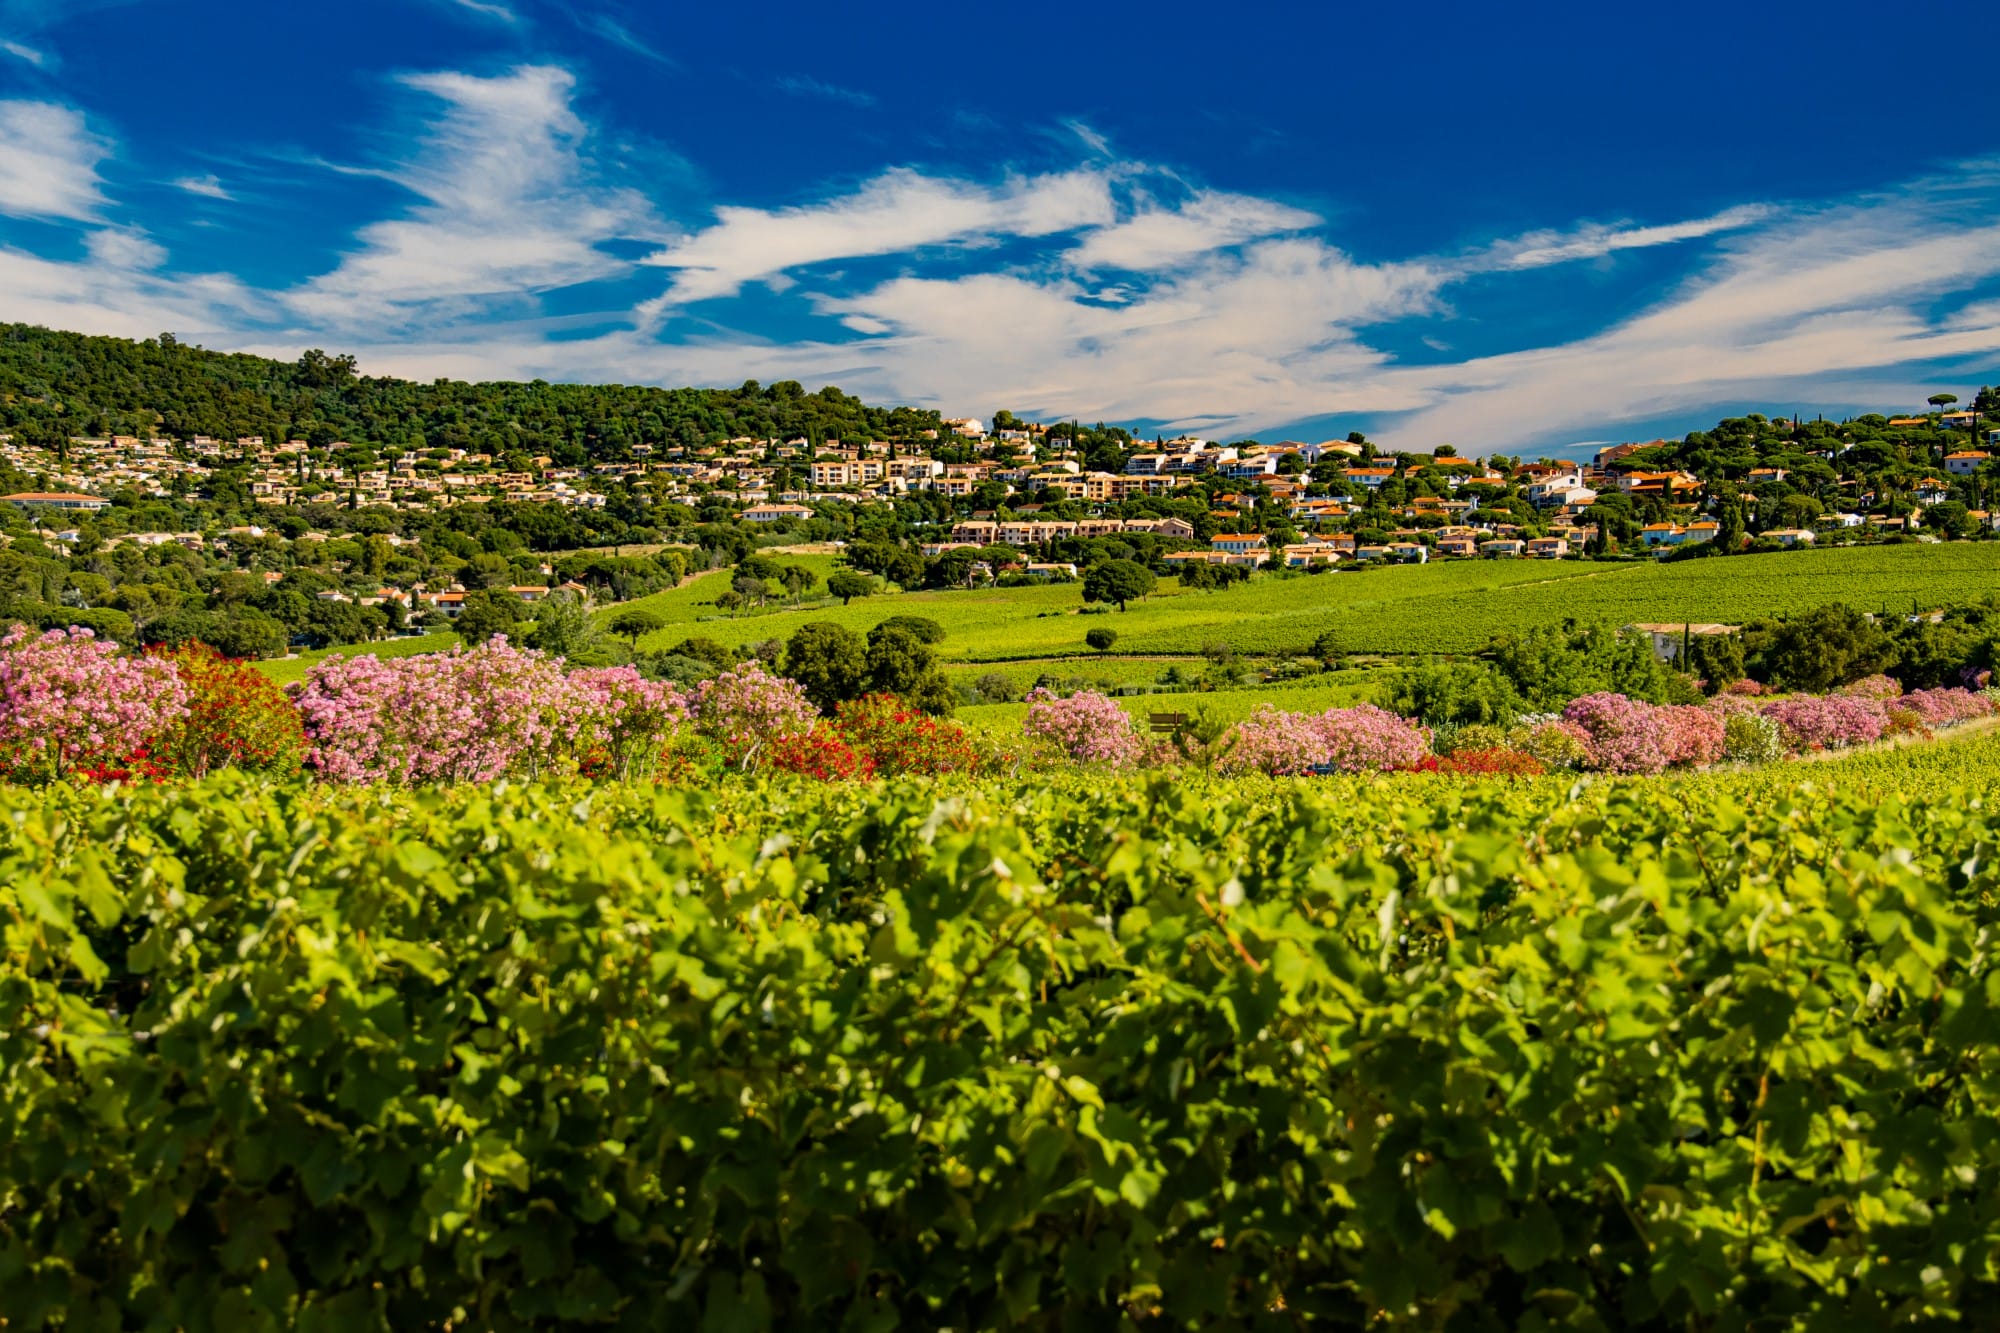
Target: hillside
(54,383)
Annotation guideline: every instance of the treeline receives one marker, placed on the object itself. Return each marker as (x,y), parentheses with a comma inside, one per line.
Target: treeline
(1821,650)
(55,385)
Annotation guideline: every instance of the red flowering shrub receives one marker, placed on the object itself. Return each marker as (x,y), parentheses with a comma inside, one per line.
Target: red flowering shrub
(820,752)
(236,717)
(1494,763)
(898,739)
(139,766)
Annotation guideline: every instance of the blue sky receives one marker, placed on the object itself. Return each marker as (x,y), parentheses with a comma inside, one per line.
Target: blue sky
(1523,228)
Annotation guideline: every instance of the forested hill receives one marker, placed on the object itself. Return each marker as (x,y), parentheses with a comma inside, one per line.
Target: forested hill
(71,384)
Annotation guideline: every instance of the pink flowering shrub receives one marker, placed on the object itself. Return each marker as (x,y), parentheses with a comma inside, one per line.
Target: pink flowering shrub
(1361,739)
(1621,734)
(1871,687)
(1087,727)
(1365,738)
(624,719)
(1946,707)
(1277,743)
(1693,736)
(746,709)
(1745,688)
(1829,723)
(70,700)
(467,715)
(1630,736)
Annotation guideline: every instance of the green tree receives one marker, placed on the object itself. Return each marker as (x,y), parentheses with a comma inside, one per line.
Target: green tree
(1714,659)
(634,622)
(830,662)
(487,613)
(563,626)
(1101,638)
(848,584)
(900,663)
(1823,649)
(1118,581)
(923,628)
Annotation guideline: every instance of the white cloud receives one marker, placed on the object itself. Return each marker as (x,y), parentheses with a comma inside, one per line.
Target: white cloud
(488,9)
(48,162)
(510,206)
(1542,248)
(22,51)
(804,85)
(897,212)
(611,30)
(1123,294)
(1158,238)
(209,186)
(1265,333)
(1818,304)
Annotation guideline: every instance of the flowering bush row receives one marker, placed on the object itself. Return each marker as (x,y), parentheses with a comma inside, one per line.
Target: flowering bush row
(74,706)
(1086,727)
(1362,739)
(70,701)
(1602,732)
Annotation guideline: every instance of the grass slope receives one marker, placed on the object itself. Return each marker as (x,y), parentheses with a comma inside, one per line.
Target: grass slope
(285,670)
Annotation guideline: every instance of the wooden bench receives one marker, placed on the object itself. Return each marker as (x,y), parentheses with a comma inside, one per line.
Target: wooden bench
(1164,724)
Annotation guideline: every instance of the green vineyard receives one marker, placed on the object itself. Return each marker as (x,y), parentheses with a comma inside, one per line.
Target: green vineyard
(1115,1052)
(1452,607)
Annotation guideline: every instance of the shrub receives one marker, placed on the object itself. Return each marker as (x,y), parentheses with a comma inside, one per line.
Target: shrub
(1361,739)
(1632,736)
(70,700)
(1751,738)
(1871,687)
(1810,722)
(996,687)
(747,708)
(1086,726)
(1493,762)
(235,717)
(820,751)
(1474,736)
(623,719)
(1947,707)
(1744,688)
(467,715)
(898,739)
(1557,743)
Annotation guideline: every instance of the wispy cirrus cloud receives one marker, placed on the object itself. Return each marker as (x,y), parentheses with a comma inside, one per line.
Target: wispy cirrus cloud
(488,9)
(619,35)
(208,186)
(1160,237)
(1594,241)
(48,162)
(804,85)
(900,211)
(1091,286)
(1827,300)
(510,204)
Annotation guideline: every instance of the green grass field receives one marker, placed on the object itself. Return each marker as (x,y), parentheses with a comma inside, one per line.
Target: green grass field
(1446,608)
(1455,607)
(285,670)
